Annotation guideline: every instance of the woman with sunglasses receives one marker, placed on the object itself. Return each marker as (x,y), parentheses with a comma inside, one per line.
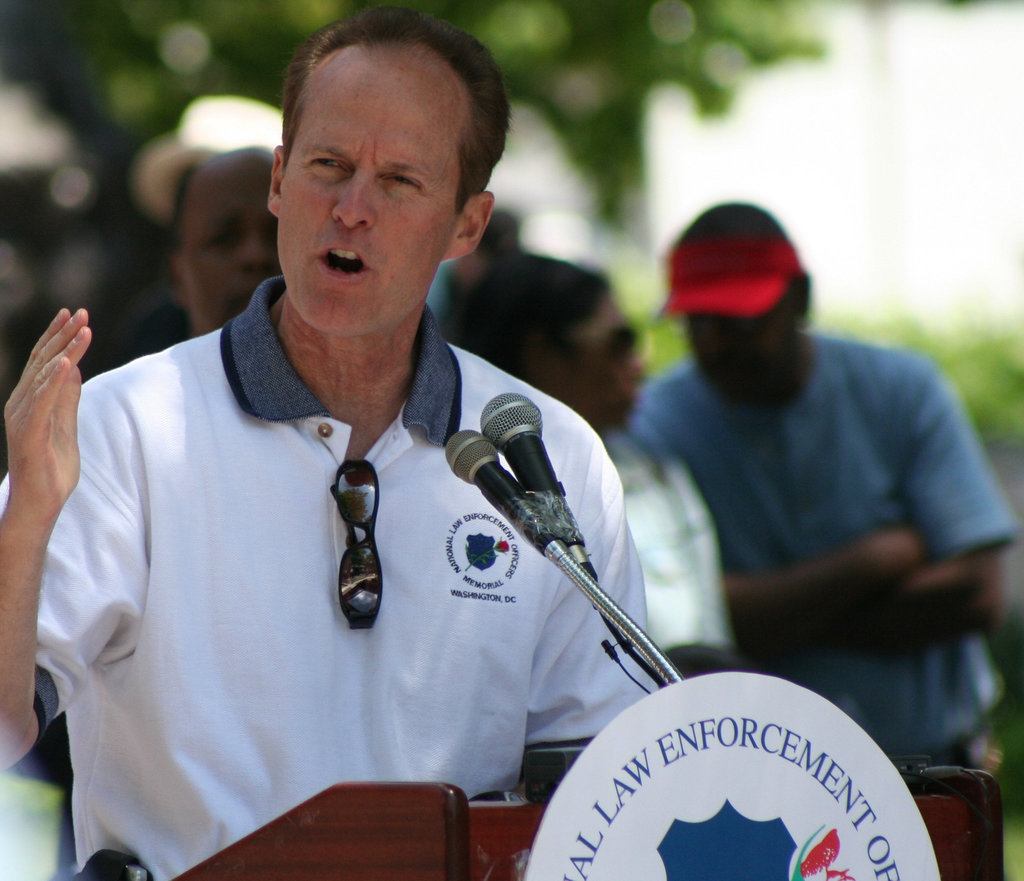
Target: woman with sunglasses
(556,325)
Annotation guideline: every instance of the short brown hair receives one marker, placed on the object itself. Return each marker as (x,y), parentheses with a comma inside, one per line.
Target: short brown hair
(397,26)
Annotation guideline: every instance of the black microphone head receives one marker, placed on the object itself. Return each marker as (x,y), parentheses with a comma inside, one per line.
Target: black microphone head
(507,415)
(466,451)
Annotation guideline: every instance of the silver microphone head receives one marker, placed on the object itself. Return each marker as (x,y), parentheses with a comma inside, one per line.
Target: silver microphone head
(466,451)
(507,415)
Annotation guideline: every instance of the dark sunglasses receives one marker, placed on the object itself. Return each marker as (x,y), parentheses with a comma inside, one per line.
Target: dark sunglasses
(621,342)
(360,584)
(614,343)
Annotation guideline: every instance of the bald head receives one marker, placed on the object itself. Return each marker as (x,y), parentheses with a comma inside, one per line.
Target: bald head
(225,237)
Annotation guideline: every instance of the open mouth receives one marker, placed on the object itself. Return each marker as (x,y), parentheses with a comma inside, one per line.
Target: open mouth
(344,261)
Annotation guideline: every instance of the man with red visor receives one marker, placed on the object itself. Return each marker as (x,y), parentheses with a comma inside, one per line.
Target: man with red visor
(861,528)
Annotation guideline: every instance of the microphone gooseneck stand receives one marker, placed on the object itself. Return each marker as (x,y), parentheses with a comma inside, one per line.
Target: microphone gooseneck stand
(662,670)
(562,543)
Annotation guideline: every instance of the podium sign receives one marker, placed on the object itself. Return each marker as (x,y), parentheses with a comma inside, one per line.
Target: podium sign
(737,767)
(732,777)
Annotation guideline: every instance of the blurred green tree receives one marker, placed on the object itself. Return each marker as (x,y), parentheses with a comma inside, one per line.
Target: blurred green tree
(586,66)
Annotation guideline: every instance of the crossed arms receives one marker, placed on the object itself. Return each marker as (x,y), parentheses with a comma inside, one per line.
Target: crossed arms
(877,593)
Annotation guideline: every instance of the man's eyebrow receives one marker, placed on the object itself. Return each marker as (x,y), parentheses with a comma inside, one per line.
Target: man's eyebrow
(332,151)
(404,166)
(412,166)
(409,165)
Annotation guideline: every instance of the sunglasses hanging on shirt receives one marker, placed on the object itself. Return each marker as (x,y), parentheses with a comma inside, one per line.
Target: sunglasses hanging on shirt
(360,584)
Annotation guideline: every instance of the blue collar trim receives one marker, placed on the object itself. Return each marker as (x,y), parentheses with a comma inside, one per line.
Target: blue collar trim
(266,385)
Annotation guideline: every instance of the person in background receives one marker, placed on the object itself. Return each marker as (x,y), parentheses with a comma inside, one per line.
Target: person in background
(242,566)
(862,530)
(223,244)
(225,237)
(556,325)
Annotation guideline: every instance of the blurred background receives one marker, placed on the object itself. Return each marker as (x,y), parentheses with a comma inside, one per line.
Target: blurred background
(886,135)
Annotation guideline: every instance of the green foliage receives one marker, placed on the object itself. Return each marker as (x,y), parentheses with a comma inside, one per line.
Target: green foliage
(1008,724)
(587,66)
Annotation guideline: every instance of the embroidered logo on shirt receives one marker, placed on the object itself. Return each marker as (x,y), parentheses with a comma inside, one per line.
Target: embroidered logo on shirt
(484,552)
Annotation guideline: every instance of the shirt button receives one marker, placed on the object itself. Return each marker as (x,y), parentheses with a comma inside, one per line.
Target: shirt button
(324,430)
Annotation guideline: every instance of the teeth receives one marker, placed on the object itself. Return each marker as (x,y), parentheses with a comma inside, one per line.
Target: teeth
(346,261)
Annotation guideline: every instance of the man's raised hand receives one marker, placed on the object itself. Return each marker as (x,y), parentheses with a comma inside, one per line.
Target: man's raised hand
(41,419)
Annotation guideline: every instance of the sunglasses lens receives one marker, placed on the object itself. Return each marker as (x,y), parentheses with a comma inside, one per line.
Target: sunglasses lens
(359,580)
(356,494)
(622,342)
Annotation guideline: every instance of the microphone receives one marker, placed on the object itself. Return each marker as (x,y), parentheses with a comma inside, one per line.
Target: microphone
(474,459)
(512,422)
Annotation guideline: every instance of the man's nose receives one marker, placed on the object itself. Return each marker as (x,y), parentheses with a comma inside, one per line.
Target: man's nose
(355,201)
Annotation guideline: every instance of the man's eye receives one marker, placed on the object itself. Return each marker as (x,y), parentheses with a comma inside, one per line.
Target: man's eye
(402,179)
(330,162)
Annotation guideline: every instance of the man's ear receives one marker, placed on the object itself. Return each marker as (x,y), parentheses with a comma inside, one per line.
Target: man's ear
(274,197)
(470,224)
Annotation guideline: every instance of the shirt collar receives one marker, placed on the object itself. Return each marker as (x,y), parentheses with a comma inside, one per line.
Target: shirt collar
(266,386)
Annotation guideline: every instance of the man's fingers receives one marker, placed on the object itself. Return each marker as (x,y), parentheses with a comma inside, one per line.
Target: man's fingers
(56,323)
(78,345)
(59,384)
(67,337)
(72,336)
(50,385)
(64,334)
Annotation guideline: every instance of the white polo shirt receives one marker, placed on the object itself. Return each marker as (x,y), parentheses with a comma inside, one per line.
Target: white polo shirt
(190,619)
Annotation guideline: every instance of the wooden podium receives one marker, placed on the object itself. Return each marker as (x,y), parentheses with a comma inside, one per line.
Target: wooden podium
(963,811)
(429,832)
(366,831)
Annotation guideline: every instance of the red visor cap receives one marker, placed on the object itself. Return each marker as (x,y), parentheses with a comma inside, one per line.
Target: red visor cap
(736,277)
